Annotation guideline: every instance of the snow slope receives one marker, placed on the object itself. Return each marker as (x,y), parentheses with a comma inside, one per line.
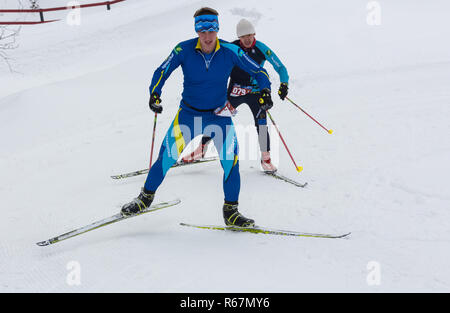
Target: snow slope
(75,112)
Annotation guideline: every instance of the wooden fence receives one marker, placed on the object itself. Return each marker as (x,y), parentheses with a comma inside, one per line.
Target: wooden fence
(41,12)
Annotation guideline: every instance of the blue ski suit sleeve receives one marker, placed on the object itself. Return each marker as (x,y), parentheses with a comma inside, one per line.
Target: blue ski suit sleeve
(246,63)
(163,72)
(275,61)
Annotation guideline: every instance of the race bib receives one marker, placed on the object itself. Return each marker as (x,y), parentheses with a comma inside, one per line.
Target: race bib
(238,91)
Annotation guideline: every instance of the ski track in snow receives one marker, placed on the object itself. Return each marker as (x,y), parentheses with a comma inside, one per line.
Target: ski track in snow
(77,113)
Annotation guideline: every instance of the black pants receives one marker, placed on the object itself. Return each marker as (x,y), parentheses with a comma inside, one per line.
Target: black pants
(259,116)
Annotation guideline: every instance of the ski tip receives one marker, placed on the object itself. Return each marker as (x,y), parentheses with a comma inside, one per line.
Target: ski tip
(177,201)
(43,243)
(345,236)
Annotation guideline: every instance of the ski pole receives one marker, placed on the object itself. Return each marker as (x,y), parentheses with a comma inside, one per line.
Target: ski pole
(298,168)
(328,131)
(153,140)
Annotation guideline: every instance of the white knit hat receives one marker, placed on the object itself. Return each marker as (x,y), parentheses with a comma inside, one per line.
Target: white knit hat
(244,27)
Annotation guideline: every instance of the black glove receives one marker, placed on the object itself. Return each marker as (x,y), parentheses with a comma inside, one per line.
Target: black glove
(283,91)
(154,103)
(265,100)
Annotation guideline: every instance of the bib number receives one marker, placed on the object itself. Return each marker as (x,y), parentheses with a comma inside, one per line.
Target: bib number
(239,91)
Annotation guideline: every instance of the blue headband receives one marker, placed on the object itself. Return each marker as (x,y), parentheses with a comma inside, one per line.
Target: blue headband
(207,23)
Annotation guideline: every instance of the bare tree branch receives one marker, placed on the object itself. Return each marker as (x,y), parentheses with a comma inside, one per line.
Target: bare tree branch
(8,40)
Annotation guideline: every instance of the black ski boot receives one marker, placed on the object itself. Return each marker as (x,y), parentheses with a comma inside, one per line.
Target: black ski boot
(232,216)
(143,201)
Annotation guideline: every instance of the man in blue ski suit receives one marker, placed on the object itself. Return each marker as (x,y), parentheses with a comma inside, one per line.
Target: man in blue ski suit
(207,63)
(243,88)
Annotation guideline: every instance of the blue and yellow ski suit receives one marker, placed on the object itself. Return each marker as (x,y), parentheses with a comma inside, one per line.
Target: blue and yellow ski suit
(205,89)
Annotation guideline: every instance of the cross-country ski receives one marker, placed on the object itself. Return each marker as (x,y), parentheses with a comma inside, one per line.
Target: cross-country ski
(104,222)
(267,231)
(279,176)
(178,164)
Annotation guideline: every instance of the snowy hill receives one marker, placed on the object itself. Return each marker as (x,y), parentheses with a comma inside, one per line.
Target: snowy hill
(75,112)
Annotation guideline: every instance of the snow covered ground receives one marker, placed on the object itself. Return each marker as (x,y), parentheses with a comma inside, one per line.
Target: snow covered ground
(75,112)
